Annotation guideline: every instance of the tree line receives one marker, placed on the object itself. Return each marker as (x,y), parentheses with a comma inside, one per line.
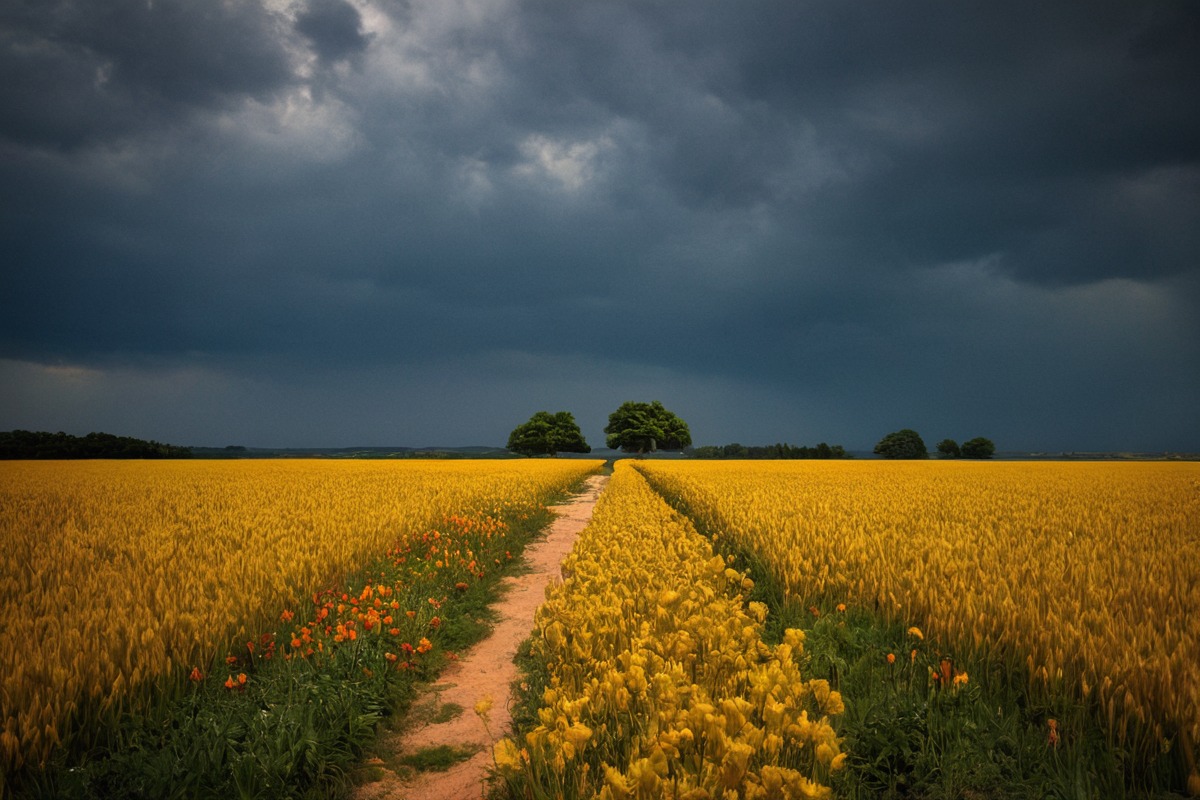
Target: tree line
(783,450)
(907,443)
(642,428)
(20,444)
(646,427)
(635,427)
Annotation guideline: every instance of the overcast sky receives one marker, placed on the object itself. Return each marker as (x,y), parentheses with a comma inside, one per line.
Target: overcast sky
(378,222)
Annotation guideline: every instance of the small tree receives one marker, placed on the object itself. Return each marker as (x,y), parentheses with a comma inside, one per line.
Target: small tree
(949,449)
(904,443)
(548,434)
(978,447)
(646,427)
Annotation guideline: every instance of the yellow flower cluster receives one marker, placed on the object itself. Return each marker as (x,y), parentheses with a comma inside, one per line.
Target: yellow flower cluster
(116,574)
(1085,575)
(660,684)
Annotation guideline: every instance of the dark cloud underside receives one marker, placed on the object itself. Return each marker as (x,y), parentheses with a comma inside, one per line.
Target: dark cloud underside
(841,217)
(333,27)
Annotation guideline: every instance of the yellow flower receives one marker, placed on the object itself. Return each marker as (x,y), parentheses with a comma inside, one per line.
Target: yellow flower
(643,777)
(484,705)
(506,755)
(615,782)
(734,764)
(794,637)
(578,734)
(915,631)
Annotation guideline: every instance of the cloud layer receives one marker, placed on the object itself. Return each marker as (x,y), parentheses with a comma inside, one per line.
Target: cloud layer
(333,222)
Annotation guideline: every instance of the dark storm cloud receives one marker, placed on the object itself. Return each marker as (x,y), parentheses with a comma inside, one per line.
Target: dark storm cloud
(847,216)
(334,28)
(82,73)
(959,132)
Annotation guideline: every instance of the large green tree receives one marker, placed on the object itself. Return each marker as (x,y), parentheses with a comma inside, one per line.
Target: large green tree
(978,447)
(948,448)
(548,434)
(905,443)
(646,427)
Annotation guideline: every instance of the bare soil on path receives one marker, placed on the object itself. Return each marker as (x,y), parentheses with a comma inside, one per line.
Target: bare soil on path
(485,671)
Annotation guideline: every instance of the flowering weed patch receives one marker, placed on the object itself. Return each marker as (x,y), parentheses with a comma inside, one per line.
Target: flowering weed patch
(657,682)
(174,603)
(1074,586)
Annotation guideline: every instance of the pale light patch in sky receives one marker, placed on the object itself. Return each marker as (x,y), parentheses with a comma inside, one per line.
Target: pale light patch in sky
(441,17)
(296,126)
(475,182)
(415,54)
(375,23)
(571,165)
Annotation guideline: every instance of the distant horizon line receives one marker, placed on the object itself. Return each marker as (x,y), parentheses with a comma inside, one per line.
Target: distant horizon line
(1123,453)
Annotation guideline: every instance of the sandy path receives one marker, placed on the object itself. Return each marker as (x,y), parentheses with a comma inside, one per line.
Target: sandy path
(486,670)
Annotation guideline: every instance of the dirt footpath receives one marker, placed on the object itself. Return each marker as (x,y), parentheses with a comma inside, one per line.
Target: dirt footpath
(484,671)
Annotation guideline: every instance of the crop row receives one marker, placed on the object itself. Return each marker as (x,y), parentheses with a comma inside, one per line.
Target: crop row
(121,579)
(1085,577)
(657,682)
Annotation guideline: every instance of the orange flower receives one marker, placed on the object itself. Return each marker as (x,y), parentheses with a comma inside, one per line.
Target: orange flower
(841,607)
(196,675)
(286,616)
(891,658)
(1052,739)
(242,679)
